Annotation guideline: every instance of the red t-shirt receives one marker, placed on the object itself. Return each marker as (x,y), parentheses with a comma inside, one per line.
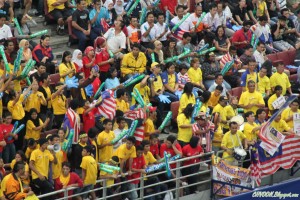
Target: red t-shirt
(103,56)
(6,129)
(86,70)
(154,149)
(96,84)
(171,4)
(1,139)
(188,151)
(89,120)
(171,151)
(137,163)
(240,36)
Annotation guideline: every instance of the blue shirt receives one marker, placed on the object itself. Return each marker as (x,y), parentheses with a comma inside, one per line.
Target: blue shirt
(103,14)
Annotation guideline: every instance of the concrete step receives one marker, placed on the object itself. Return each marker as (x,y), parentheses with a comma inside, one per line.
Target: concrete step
(56,42)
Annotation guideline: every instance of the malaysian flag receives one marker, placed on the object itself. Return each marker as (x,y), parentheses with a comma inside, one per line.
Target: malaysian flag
(287,154)
(133,115)
(264,133)
(72,121)
(105,25)
(178,34)
(108,105)
(208,136)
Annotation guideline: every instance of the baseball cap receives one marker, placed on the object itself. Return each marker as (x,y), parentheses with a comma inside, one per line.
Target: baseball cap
(154,64)
(152,109)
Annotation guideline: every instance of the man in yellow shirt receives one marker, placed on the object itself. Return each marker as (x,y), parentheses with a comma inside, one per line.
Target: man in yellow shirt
(60,13)
(126,153)
(220,108)
(215,96)
(39,165)
(133,62)
(263,85)
(149,125)
(251,100)
(89,171)
(287,114)
(249,74)
(251,128)
(280,78)
(120,100)
(274,97)
(232,139)
(104,142)
(281,126)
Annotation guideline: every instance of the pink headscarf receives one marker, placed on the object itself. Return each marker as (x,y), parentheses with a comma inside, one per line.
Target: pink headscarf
(88,49)
(98,43)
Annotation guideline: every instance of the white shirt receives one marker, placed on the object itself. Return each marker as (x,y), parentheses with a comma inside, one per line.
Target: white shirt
(117,144)
(161,29)
(115,42)
(187,25)
(259,57)
(5,32)
(154,32)
(212,22)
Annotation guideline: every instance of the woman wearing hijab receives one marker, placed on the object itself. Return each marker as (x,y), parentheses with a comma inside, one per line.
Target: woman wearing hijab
(103,59)
(109,5)
(26,50)
(119,7)
(77,60)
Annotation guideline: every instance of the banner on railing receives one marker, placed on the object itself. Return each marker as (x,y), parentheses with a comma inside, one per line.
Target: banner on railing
(232,175)
(288,190)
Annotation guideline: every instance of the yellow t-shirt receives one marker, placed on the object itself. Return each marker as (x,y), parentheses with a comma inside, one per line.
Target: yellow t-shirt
(261,8)
(185,100)
(253,76)
(172,80)
(149,158)
(64,180)
(195,75)
(230,112)
(29,151)
(263,84)
(223,114)
(17,110)
(158,84)
(59,105)
(121,105)
(251,98)
(227,142)
(270,101)
(89,164)
(145,93)
(33,101)
(218,135)
(149,128)
(41,162)
(48,92)
(17,83)
(58,167)
(106,152)
(288,113)
(51,7)
(282,80)
(280,126)
(30,133)
(184,134)
(63,69)
(248,131)
(213,100)
(123,153)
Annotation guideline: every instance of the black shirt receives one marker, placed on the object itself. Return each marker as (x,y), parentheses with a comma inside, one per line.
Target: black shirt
(281,31)
(81,17)
(239,12)
(5,8)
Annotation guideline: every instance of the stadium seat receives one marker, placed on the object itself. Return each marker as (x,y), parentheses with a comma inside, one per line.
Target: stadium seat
(54,78)
(237,91)
(174,109)
(48,18)
(72,37)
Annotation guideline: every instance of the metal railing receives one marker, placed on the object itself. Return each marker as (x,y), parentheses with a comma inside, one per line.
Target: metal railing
(177,179)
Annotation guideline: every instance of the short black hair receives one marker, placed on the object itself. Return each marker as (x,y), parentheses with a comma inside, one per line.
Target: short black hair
(119,119)
(152,136)
(178,7)
(18,165)
(136,45)
(219,87)
(247,114)
(278,87)
(44,76)
(92,132)
(131,139)
(145,142)
(139,148)
(171,138)
(232,123)
(182,66)
(283,10)
(263,18)
(260,111)
(186,35)
(88,148)
(67,164)
(149,13)
(212,5)
(74,104)
(120,92)
(106,121)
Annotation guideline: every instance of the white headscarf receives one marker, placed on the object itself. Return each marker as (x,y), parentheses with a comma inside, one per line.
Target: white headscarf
(119,9)
(107,2)
(76,60)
